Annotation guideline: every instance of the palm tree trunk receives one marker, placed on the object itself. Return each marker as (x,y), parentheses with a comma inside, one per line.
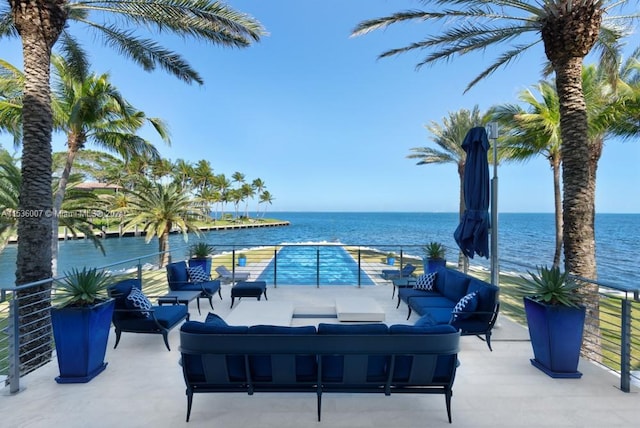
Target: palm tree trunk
(58,198)
(557,200)
(579,195)
(163,248)
(39,24)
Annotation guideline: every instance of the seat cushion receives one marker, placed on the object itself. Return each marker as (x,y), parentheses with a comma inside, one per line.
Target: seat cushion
(333,366)
(210,287)
(262,368)
(197,274)
(407,293)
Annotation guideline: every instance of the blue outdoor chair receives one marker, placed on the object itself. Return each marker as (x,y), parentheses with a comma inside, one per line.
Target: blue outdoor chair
(132,317)
(406,271)
(178,278)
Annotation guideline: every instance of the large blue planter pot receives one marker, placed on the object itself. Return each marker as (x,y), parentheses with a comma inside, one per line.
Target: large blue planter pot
(81,335)
(432,265)
(205,264)
(556,337)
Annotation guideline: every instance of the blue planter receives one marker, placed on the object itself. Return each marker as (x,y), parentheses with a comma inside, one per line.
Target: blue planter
(432,265)
(242,261)
(556,337)
(391,261)
(81,335)
(205,264)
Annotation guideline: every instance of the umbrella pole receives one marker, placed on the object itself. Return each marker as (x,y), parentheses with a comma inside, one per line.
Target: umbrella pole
(495,267)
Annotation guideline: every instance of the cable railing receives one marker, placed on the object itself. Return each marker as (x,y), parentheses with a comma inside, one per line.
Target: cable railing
(26,339)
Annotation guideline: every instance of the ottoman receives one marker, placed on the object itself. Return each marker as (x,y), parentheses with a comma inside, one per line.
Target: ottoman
(248,289)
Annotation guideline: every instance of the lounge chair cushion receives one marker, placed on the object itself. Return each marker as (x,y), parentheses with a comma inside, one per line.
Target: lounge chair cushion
(425,281)
(137,300)
(467,304)
(262,367)
(197,274)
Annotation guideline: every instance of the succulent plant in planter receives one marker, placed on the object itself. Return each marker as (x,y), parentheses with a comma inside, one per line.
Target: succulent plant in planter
(81,322)
(434,253)
(555,319)
(200,255)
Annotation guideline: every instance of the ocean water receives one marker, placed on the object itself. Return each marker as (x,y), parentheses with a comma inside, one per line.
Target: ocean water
(524,240)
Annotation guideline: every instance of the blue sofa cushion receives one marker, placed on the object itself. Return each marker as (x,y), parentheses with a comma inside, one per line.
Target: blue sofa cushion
(407,293)
(452,284)
(177,273)
(466,306)
(193,363)
(137,300)
(434,316)
(403,364)
(426,281)
(333,366)
(306,365)
(210,287)
(487,298)
(121,289)
(215,319)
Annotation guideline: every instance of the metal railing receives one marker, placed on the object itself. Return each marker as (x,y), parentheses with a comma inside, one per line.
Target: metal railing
(26,340)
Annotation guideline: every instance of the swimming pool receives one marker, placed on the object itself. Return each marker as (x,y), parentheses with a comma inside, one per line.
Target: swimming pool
(314,265)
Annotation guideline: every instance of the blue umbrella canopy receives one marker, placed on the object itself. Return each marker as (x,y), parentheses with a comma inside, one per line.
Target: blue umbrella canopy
(472,234)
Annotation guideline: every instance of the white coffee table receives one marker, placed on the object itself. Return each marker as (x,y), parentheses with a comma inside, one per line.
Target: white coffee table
(252,312)
(349,309)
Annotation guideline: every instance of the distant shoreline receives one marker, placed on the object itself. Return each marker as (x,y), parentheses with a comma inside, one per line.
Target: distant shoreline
(116,234)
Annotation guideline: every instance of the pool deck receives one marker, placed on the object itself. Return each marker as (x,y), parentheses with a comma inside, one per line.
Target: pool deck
(143,386)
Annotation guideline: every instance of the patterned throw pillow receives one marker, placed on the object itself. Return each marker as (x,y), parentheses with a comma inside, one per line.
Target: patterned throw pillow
(468,303)
(425,281)
(196,274)
(137,300)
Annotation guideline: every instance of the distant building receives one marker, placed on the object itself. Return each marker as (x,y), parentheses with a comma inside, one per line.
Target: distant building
(92,185)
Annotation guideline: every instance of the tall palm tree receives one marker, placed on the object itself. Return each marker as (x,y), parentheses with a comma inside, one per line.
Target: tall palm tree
(247,191)
(533,132)
(568,32)
(159,209)
(221,184)
(183,172)
(266,198)
(39,24)
(259,187)
(449,137)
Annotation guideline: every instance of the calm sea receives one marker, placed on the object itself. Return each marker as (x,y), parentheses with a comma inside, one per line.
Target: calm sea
(525,240)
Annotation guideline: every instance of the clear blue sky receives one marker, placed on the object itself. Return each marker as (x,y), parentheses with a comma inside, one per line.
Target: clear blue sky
(328,127)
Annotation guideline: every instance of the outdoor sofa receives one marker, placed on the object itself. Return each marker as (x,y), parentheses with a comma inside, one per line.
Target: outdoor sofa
(454,298)
(334,358)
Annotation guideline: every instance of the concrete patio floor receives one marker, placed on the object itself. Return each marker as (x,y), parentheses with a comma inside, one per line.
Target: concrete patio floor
(143,387)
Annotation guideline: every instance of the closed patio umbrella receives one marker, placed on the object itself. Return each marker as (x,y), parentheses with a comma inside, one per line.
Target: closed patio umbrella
(472,234)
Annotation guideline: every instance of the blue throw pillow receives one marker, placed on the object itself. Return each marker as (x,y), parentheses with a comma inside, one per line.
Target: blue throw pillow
(425,321)
(426,281)
(196,274)
(137,300)
(466,305)
(214,319)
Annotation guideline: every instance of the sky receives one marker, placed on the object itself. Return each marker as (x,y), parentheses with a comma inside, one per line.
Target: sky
(326,125)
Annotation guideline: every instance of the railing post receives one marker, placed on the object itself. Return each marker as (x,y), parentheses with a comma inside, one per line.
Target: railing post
(14,346)
(317,267)
(359,268)
(625,346)
(275,267)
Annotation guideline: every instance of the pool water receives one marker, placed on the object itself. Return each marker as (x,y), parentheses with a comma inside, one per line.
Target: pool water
(309,265)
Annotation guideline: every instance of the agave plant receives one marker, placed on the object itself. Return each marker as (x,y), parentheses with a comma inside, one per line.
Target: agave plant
(201,250)
(84,287)
(551,286)
(434,250)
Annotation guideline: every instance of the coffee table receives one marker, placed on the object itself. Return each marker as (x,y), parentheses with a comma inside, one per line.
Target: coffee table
(181,297)
(253,312)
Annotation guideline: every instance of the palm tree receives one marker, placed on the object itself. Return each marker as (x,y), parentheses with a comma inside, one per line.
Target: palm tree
(221,185)
(449,137)
(159,209)
(259,187)
(247,191)
(569,31)
(39,25)
(531,133)
(183,172)
(266,198)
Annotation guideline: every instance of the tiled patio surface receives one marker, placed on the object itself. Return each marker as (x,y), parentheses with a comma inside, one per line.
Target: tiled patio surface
(143,387)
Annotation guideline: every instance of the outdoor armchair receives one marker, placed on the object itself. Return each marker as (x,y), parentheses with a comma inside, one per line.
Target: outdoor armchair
(134,313)
(179,279)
